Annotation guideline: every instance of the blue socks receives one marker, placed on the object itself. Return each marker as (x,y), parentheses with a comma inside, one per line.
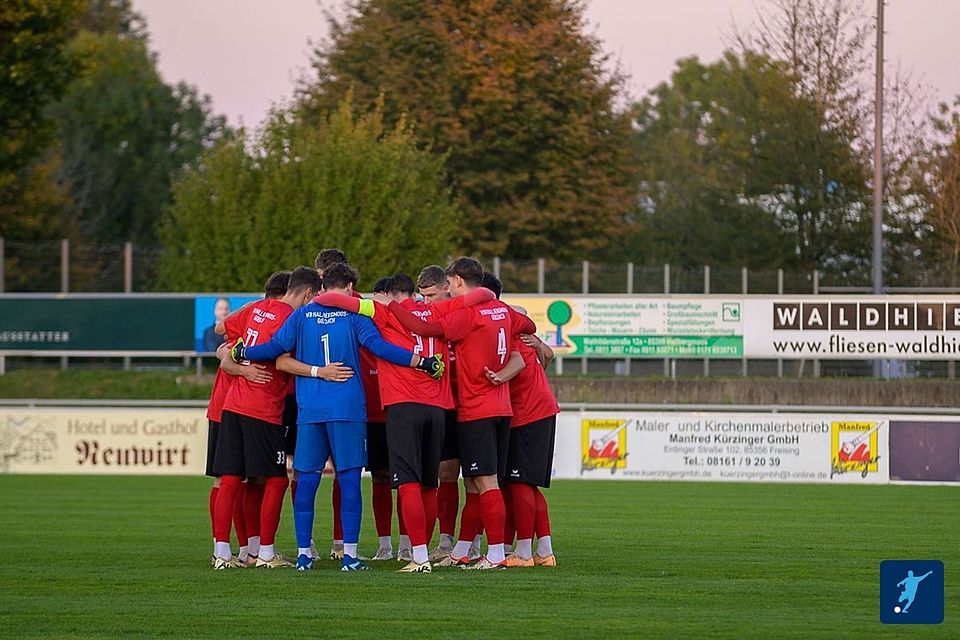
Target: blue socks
(304,504)
(351,504)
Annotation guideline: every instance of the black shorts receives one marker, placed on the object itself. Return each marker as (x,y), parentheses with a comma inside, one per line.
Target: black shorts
(530,455)
(290,414)
(483,446)
(377,457)
(249,448)
(415,435)
(213,429)
(451,450)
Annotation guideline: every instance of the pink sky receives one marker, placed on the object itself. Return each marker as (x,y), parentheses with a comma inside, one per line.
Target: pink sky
(247,53)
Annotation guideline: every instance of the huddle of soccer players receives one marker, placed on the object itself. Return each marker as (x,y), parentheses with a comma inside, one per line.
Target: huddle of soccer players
(494,418)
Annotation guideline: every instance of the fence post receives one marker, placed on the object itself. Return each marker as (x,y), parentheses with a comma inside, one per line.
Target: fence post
(706,290)
(128,267)
(666,291)
(816,292)
(127,284)
(541,275)
(64,266)
(585,280)
(3,261)
(496,266)
(627,362)
(780,292)
(744,282)
(64,284)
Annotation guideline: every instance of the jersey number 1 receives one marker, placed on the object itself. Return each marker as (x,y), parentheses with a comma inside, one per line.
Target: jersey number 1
(325,339)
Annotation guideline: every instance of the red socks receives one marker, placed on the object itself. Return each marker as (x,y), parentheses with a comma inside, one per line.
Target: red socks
(413,513)
(224,510)
(337,523)
(252,503)
(541,521)
(448,504)
(493,513)
(429,498)
(239,521)
(402,525)
(270,508)
(382,500)
(524,509)
(470,522)
(509,528)
(213,508)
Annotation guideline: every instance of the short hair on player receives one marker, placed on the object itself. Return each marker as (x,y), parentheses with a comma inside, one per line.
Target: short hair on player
(492,282)
(432,276)
(339,275)
(304,278)
(401,283)
(328,257)
(469,269)
(382,285)
(276,284)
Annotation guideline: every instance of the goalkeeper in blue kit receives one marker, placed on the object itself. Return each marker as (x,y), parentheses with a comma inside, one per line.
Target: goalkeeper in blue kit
(332,415)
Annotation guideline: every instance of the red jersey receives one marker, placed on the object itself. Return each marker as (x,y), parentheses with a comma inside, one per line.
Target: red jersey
(404,384)
(222,381)
(531,397)
(482,335)
(370,378)
(261,401)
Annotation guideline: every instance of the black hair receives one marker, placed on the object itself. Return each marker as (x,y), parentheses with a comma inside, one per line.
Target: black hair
(328,257)
(339,275)
(382,285)
(492,282)
(304,278)
(276,284)
(469,269)
(401,283)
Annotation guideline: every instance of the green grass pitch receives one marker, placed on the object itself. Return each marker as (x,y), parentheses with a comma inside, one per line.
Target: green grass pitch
(128,557)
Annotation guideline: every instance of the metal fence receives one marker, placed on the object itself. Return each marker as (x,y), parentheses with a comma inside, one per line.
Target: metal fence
(64,266)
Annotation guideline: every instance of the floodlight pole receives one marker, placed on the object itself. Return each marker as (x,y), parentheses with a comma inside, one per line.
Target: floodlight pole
(878,161)
(878,171)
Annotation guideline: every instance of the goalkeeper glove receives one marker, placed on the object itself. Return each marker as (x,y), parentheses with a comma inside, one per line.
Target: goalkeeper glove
(238,351)
(433,366)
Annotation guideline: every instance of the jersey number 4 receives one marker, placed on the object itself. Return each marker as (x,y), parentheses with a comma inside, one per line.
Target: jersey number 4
(502,345)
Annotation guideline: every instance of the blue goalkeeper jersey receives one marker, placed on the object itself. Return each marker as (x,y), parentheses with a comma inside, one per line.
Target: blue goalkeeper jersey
(318,335)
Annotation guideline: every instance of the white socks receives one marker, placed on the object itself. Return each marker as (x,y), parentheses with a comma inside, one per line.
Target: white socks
(476,540)
(495,553)
(350,549)
(338,543)
(446,540)
(544,547)
(304,551)
(525,548)
(404,542)
(386,542)
(420,554)
(253,545)
(266,552)
(222,550)
(461,549)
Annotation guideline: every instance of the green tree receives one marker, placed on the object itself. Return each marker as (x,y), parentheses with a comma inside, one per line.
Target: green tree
(738,170)
(249,209)
(124,134)
(514,93)
(36,65)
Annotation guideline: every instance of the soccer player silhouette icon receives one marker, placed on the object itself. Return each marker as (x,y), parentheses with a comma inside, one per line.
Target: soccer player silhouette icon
(909,585)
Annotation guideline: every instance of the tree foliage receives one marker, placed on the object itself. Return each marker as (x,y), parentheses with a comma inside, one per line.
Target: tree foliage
(124,134)
(351,182)
(36,64)
(515,94)
(740,170)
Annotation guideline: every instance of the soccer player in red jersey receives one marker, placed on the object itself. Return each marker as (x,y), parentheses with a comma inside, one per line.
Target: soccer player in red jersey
(416,409)
(275,287)
(482,336)
(433,287)
(530,453)
(251,439)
